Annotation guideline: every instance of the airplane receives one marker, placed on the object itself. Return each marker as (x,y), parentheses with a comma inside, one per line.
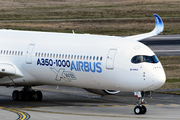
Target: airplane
(108,64)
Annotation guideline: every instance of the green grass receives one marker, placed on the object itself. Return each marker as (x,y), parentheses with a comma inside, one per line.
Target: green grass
(141,11)
(172,80)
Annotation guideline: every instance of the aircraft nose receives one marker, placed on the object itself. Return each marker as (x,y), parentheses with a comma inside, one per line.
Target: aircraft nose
(159,77)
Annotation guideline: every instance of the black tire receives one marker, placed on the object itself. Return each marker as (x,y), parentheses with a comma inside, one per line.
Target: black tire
(15,95)
(144,110)
(33,92)
(21,95)
(38,96)
(28,96)
(137,110)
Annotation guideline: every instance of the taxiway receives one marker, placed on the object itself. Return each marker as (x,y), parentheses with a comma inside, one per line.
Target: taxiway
(75,103)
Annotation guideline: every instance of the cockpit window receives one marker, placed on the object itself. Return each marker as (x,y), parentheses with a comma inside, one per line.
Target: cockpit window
(156,60)
(148,59)
(144,58)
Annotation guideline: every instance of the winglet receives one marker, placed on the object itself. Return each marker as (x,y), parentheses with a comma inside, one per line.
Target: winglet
(159,27)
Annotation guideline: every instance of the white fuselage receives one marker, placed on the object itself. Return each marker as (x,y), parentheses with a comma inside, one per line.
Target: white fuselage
(86,61)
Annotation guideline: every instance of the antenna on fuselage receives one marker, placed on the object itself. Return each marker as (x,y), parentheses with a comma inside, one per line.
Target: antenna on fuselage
(73,32)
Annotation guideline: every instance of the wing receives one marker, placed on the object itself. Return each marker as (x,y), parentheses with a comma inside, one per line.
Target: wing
(159,27)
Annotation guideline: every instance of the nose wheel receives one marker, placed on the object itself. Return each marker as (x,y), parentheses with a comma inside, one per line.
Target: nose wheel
(140,108)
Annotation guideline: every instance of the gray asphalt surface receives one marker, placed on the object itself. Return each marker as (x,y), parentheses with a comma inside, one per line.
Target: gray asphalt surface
(164,45)
(77,104)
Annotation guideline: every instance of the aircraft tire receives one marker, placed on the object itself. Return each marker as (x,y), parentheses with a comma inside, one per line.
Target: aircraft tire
(144,110)
(28,95)
(38,95)
(137,110)
(140,110)
(15,95)
(21,95)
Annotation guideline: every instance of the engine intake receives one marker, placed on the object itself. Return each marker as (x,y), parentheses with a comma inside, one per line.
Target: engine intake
(103,92)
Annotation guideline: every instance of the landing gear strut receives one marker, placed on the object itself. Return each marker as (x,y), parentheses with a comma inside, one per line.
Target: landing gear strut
(27,94)
(140,108)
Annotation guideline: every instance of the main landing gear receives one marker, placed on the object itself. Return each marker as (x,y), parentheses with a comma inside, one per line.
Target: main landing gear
(27,94)
(140,108)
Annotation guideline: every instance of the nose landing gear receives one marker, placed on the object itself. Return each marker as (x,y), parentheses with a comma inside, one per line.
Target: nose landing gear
(27,94)
(140,108)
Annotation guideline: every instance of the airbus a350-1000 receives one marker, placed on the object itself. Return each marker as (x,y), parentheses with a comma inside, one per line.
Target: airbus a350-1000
(94,62)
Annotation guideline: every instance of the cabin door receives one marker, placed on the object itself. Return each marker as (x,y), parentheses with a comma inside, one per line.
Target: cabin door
(29,54)
(110,59)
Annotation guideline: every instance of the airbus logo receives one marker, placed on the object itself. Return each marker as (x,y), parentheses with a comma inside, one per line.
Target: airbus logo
(83,66)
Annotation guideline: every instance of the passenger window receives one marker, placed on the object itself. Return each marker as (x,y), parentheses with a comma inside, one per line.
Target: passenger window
(97,58)
(78,57)
(59,55)
(101,59)
(1,51)
(53,55)
(84,57)
(56,55)
(71,56)
(94,58)
(81,57)
(9,52)
(13,53)
(21,53)
(87,58)
(4,51)
(63,56)
(68,56)
(74,56)
(48,55)
(16,53)
(90,57)
(44,54)
(41,54)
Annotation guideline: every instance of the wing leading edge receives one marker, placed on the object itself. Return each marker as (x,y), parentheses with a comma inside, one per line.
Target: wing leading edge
(159,27)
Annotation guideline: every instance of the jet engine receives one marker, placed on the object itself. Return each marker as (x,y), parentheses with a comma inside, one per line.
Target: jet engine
(103,92)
